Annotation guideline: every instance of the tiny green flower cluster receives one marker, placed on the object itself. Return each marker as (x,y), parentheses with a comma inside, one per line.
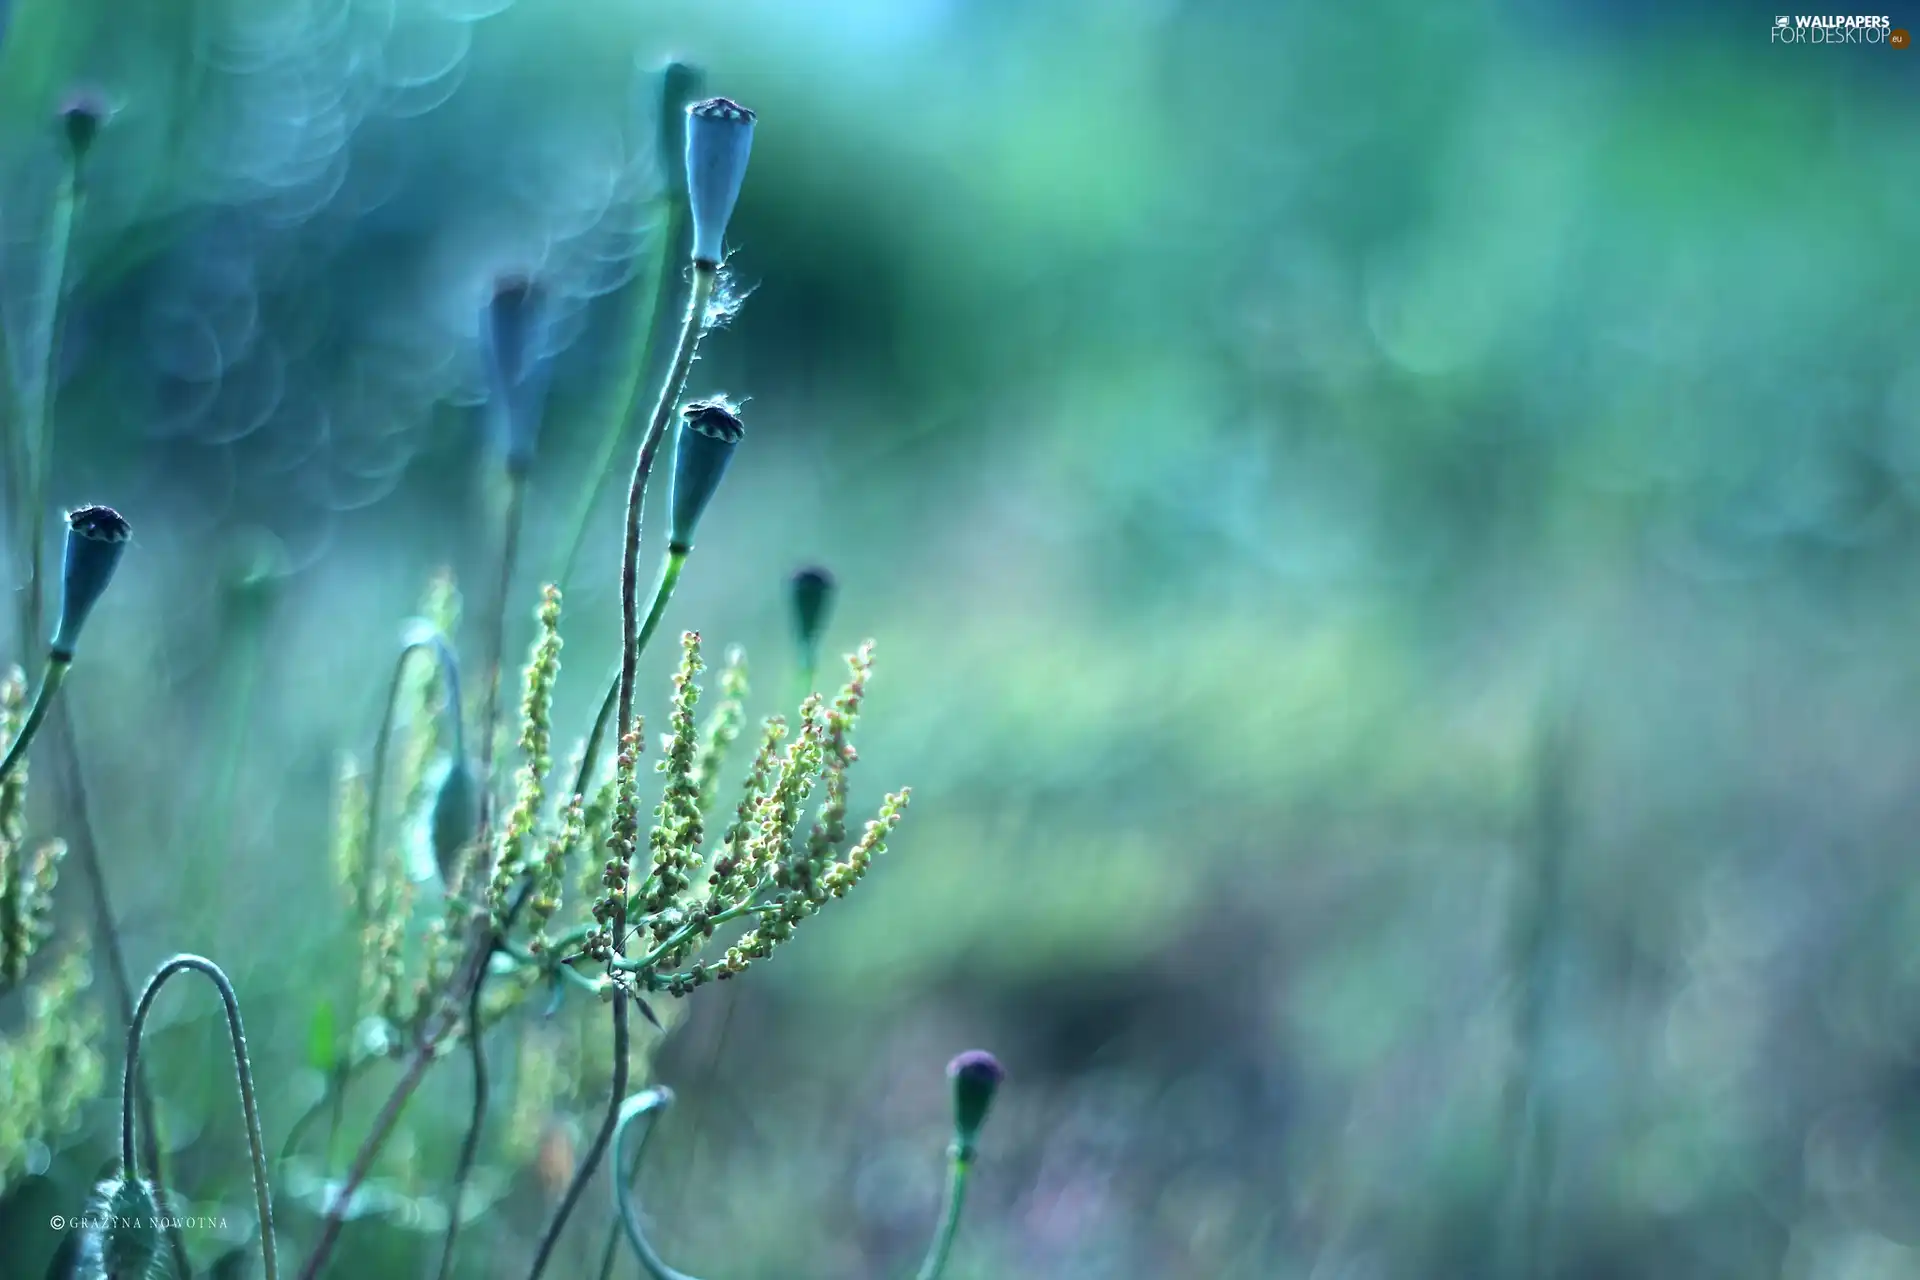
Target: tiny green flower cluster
(27,874)
(51,1066)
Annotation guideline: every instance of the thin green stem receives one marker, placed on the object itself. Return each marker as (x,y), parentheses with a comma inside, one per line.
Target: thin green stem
(550,1239)
(681,936)
(496,640)
(959,1163)
(51,679)
(44,348)
(249,1104)
(643,1106)
(670,567)
(470,1146)
(648,334)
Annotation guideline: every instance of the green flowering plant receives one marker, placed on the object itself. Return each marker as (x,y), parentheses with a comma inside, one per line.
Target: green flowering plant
(480,899)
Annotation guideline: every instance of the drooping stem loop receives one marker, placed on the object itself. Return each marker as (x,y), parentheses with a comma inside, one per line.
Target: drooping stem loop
(243,1068)
(645,1107)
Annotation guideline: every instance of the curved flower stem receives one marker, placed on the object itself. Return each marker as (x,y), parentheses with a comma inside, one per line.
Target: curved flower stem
(691,330)
(363,891)
(550,1239)
(959,1163)
(476,1041)
(470,1145)
(50,681)
(257,1147)
(639,1106)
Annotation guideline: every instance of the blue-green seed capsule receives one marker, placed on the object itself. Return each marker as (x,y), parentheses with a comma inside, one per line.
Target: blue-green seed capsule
(719,140)
(96,539)
(709,431)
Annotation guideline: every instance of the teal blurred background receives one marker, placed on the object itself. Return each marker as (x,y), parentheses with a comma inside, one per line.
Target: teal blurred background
(1390,531)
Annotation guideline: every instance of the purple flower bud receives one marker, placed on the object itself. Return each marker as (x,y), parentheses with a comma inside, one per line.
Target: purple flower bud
(517,368)
(719,138)
(96,539)
(977,1076)
(709,430)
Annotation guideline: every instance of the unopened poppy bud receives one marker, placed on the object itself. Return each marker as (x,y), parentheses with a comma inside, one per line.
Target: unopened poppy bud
(96,539)
(976,1076)
(123,1230)
(709,430)
(517,368)
(719,138)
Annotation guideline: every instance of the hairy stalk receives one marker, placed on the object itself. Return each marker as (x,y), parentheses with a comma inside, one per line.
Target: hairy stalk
(691,330)
(470,1146)
(51,679)
(249,1104)
(70,784)
(550,1239)
(497,640)
(958,1166)
(663,591)
(362,891)
(641,1106)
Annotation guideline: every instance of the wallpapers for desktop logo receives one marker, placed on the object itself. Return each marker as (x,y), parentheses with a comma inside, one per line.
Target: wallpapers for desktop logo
(1838,29)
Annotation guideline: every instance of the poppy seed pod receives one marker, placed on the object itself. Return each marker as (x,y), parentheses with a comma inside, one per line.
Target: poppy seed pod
(96,539)
(719,138)
(977,1076)
(455,816)
(81,117)
(812,592)
(709,430)
(517,367)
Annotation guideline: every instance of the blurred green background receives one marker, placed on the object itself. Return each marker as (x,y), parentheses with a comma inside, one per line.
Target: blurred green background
(1390,531)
